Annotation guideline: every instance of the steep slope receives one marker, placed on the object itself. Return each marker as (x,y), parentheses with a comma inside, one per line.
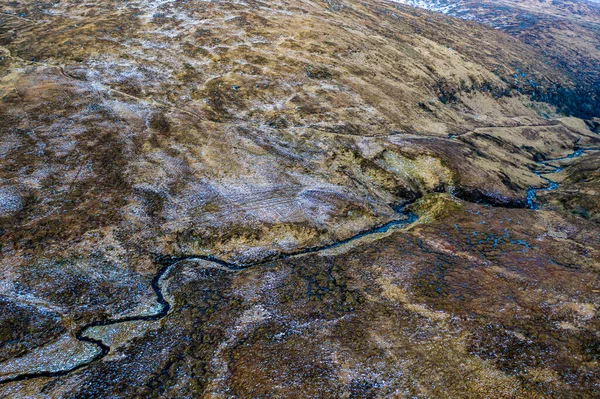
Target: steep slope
(219,199)
(567,31)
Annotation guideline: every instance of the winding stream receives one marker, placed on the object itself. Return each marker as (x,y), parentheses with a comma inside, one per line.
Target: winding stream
(168,263)
(552,185)
(165,306)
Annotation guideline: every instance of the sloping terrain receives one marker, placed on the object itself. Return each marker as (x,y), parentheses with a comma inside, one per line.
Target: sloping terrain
(255,199)
(566,31)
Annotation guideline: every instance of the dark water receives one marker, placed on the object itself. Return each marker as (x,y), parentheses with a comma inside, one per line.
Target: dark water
(552,185)
(168,263)
(165,306)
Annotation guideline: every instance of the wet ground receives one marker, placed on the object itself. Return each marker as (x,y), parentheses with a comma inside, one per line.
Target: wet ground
(253,200)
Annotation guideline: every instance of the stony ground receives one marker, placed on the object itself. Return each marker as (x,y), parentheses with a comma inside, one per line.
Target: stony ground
(167,165)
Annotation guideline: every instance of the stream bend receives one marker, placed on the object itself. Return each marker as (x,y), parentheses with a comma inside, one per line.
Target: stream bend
(168,262)
(552,185)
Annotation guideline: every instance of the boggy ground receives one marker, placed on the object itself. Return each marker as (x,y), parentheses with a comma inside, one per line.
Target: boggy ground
(143,130)
(472,301)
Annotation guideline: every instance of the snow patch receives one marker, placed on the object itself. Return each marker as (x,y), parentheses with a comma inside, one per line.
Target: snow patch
(441,6)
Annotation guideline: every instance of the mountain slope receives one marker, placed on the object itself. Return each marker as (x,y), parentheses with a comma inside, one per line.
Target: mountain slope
(255,199)
(566,31)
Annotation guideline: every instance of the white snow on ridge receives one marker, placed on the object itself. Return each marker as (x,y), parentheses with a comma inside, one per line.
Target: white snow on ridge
(441,6)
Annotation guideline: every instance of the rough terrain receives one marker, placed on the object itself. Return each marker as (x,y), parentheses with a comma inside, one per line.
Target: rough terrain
(565,31)
(285,199)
